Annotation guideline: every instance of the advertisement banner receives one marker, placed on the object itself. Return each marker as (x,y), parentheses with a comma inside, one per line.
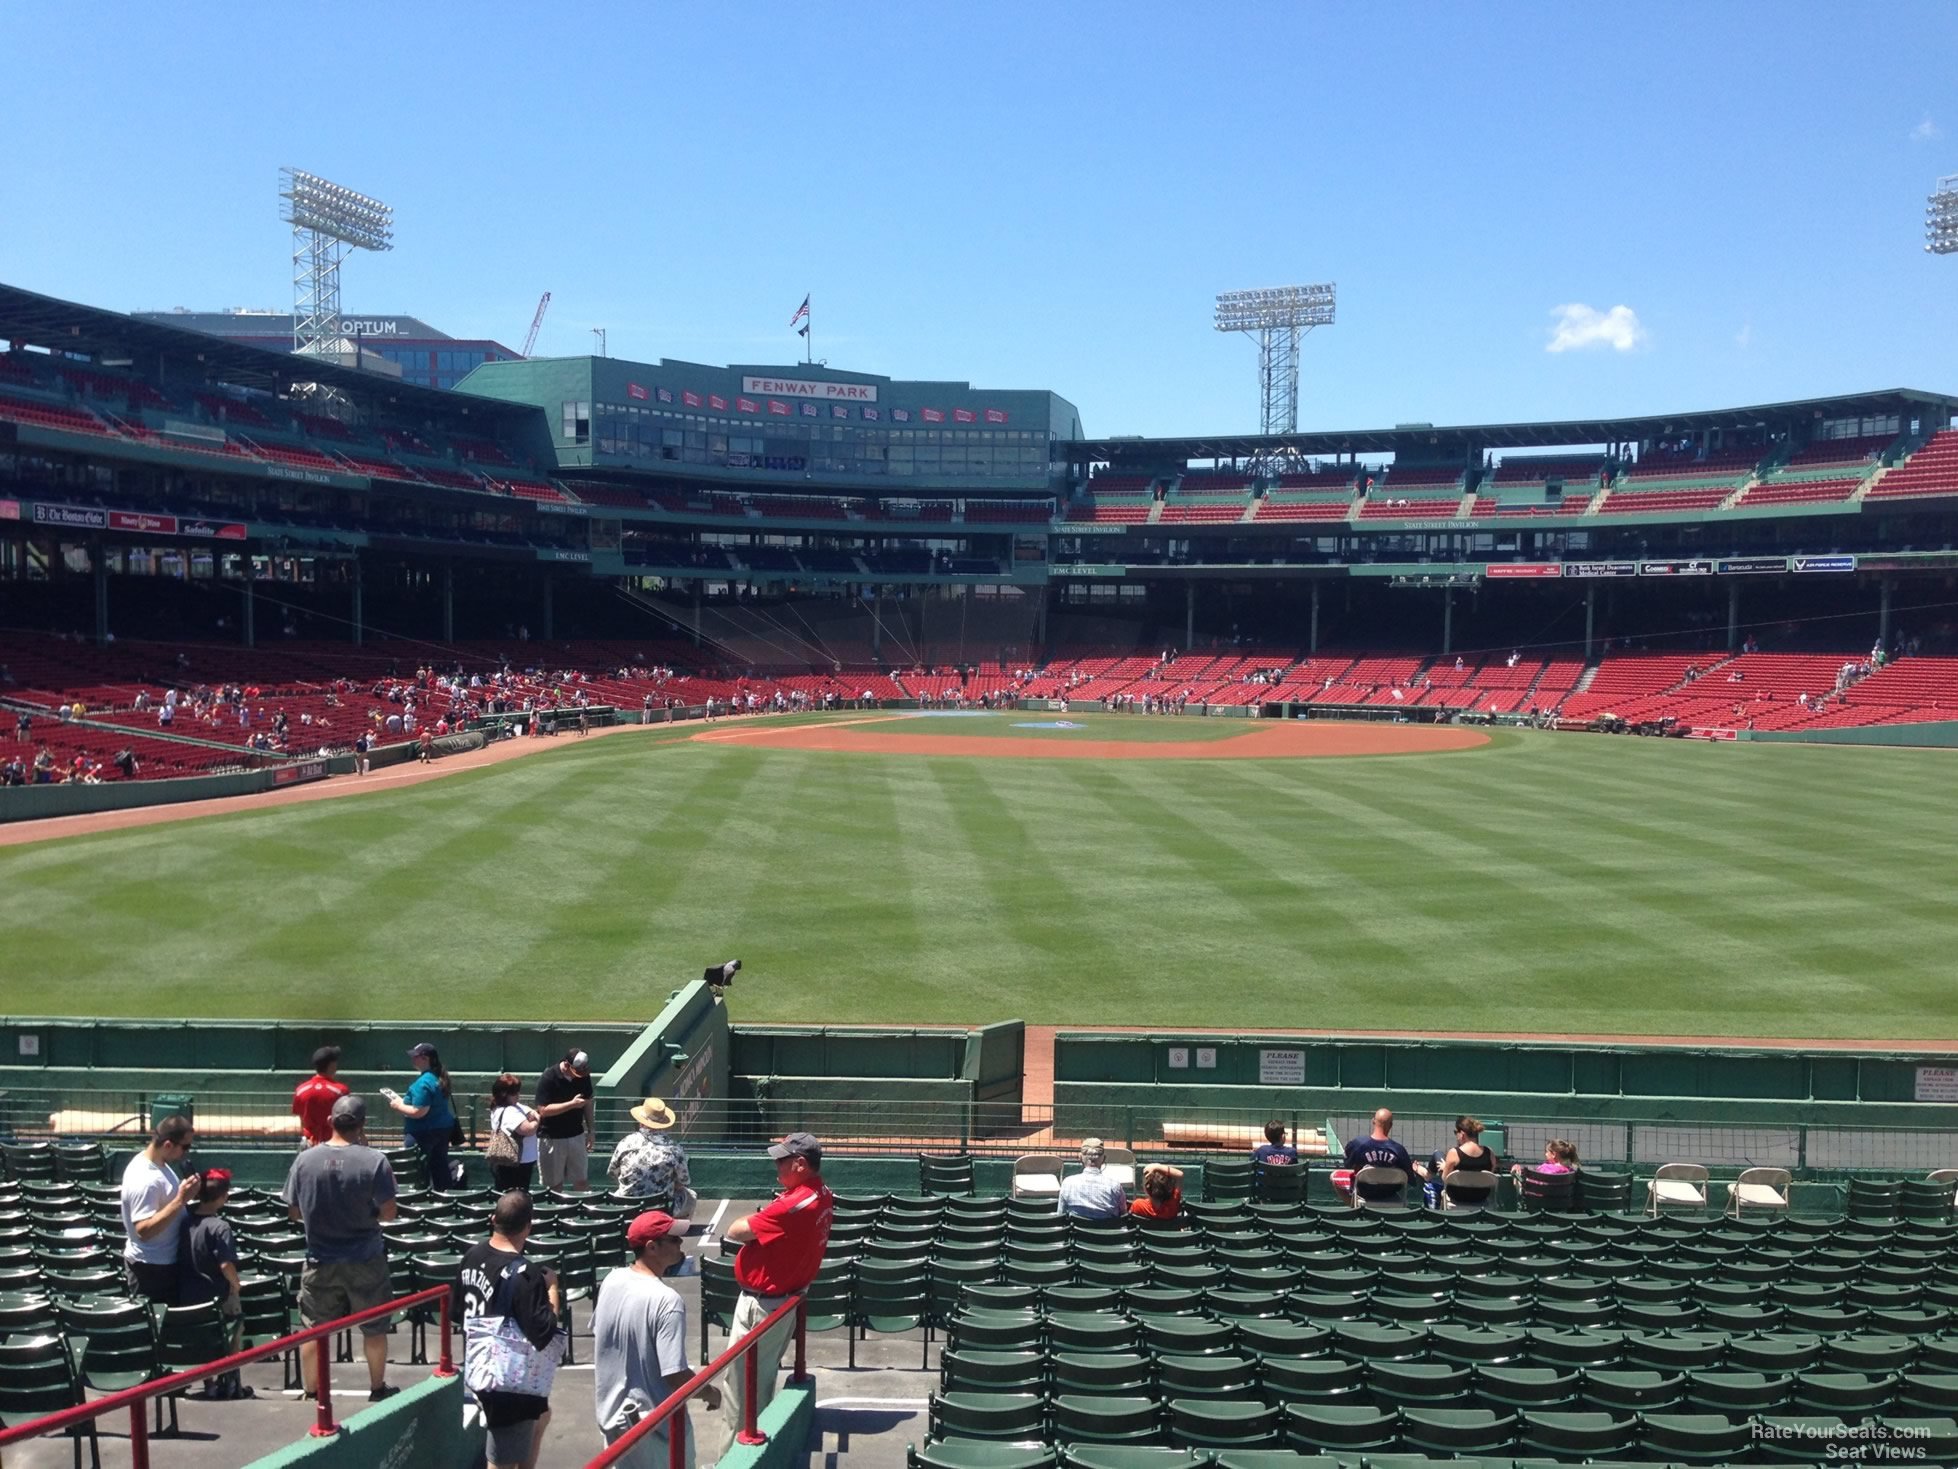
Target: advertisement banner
(78,516)
(634,391)
(964,415)
(165,525)
(714,401)
(837,410)
(778,407)
(216,530)
(1675,568)
(299,772)
(746,405)
(9,510)
(1500,570)
(1600,568)
(1825,563)
(691,399)
(995,415)
(932,415)
(1751,565)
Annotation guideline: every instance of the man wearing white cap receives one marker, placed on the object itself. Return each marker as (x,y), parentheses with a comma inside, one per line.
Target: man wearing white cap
(648,1164)
(564,1130)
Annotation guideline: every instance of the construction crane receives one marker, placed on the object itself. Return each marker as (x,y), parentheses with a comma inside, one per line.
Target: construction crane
(536,322)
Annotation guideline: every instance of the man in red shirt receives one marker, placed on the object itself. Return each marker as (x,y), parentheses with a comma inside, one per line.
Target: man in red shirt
(313,1098)
(782,1245)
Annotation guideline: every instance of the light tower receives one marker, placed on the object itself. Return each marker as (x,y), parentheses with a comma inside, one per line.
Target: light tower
(327,220)
(1278,317)
(1941,218)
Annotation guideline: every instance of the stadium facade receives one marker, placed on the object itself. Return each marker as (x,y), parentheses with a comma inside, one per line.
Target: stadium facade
(140,454)
(425,355)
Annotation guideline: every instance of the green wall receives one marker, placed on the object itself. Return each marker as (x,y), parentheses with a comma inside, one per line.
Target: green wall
(418,1428)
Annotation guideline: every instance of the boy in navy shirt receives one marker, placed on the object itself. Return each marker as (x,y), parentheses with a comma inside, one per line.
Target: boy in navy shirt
(1274,1149)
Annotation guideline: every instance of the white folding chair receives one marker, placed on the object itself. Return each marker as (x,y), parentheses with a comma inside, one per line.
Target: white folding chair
(1373,1176)
(1473,1188)
(1758,1188)
(1683,1184)
(1037,1175)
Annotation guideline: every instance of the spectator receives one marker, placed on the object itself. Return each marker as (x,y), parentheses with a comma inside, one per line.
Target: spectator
(507,1114)
(341,1194)
(783,1243)
(425,746)
(1559,1156)
(639,1343)
(564,1101)
(313,1098)
(1468,1155)
(503,1296)
(1162,1193)
(1274,1149)
(155,1208)
(1380,1150)
(209,1272)
(1091,1193)
(647,1164)
(431,1115)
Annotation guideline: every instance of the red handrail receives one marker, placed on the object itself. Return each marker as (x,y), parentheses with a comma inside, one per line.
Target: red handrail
(676,1443)
(136,1398)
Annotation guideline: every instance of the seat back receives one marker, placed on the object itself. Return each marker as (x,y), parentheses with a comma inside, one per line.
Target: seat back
(1375,1177)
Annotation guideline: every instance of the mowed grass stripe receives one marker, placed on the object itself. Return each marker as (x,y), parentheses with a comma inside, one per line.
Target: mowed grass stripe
(1540,883)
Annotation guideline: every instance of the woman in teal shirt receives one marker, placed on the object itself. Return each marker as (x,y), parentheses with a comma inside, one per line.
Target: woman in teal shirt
(430,1116)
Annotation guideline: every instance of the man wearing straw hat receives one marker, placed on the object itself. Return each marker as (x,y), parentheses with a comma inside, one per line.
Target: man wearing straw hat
(648,1164)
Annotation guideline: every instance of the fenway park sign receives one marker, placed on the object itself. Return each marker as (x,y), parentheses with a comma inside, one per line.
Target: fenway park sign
(798,387)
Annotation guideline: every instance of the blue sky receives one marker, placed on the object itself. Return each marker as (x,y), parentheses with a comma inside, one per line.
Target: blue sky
(1044,195)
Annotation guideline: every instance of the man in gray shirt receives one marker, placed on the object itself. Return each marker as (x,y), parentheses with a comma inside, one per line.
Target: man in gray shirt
(1091,1193)
(342,1192)
(639,1343)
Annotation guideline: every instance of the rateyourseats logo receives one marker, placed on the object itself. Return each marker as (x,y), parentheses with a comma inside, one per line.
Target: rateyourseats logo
(1848,1443)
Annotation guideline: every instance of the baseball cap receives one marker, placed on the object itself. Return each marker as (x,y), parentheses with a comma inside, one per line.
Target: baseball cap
(351,1108)
(424,1049)
(216,1181)
(1092,1150)
(650,1226)
(578,1061)
(797,1145)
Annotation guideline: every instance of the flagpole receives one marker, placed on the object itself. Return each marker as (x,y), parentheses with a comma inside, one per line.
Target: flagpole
(809,335)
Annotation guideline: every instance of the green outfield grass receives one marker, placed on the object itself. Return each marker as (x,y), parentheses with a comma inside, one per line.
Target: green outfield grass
(1542,883)
(1136,728)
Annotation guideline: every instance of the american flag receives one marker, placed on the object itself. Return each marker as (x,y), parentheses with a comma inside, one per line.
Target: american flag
(809,410)
(837,410)
(800,311)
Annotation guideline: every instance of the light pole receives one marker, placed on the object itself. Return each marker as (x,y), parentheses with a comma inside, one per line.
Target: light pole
(1278,317)
(1941,218)
(327,220)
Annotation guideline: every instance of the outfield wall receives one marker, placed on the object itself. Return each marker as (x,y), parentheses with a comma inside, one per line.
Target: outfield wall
(1934,735)
(1101,1078)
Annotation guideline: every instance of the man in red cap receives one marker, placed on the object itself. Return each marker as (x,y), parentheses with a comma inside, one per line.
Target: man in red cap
(639,1341)
(782,1245)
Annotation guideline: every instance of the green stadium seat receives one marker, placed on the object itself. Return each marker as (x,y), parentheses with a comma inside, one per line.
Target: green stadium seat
(1161,1300)
(1534,1388)
(889,1303)
(1933,1437)
(1127,1456)
(1008,1417)
(1798,1439)
(121,1347)
(1694,1438)
(1675,1353)
(1880,1354)
(1226,1179)
(1632,1390)
(1569,1436)
(963,1453)
(1326,1380)
(1471,1346)
(984,1371)
(1457,1432)
(1107,1420)
(1283,1338)
(37,1378)
(1214,1375)
(1418,1384)
(1737,1394)
(1580,1349)
(1187,1336)
(1851,1396)
(1091,1332)
(1782,1353)
(1117,1374)
(1005,1331)
(1205,1423)
(1339,1428)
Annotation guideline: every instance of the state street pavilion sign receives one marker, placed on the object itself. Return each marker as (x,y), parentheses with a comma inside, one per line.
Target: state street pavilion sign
(801,387)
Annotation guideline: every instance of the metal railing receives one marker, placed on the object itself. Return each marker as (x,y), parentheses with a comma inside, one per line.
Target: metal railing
(673,1407)
(1004,1130)
(136,1399)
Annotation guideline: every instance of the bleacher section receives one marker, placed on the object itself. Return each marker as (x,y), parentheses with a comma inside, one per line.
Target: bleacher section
(1932,470)
(1271,1333)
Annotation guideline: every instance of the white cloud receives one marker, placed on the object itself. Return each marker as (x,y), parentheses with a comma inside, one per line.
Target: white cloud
(1580,326)
(1745,336)
(1926,131)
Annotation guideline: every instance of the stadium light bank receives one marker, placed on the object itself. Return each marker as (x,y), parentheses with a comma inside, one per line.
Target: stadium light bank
(1941,218)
